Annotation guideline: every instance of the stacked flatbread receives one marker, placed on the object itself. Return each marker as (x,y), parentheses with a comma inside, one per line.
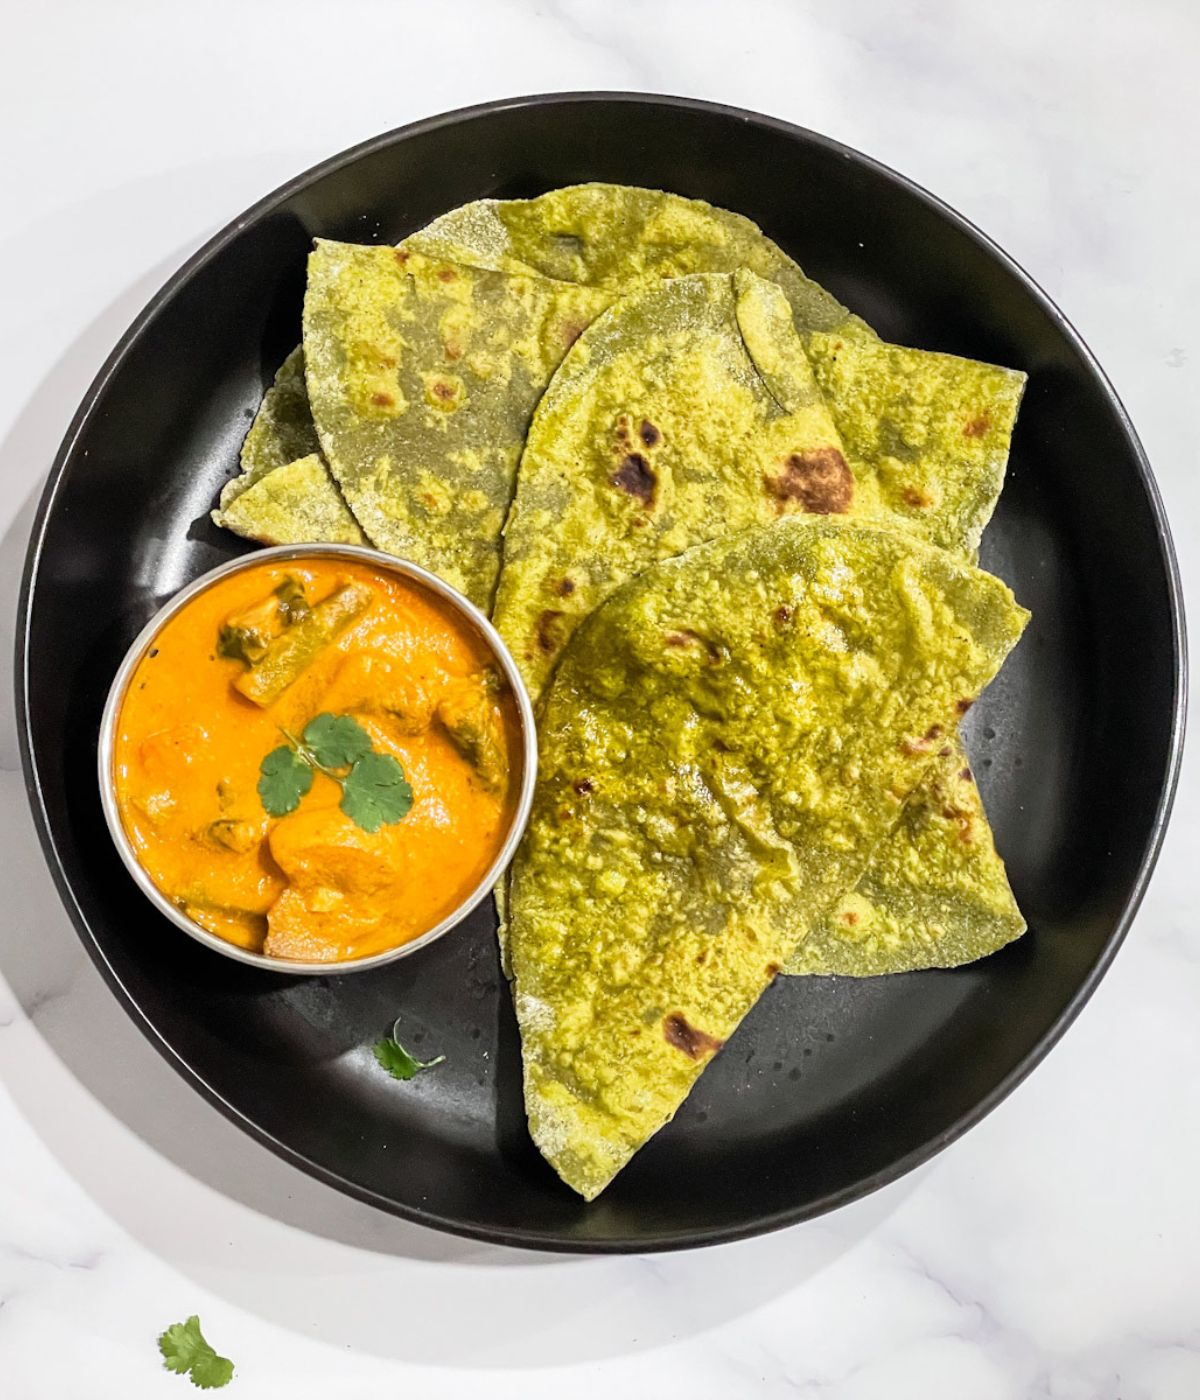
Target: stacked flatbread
(729,536)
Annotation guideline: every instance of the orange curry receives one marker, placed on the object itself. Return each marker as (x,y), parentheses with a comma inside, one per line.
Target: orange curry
(239,672)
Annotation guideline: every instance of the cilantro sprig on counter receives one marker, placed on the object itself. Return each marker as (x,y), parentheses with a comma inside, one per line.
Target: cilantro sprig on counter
(185,1352)
(375,791)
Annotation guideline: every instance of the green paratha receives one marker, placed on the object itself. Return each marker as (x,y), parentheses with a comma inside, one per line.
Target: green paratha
(723,745)
(929,432)
(935,893)
(685,411)
(689,410)
(898,410)
(293,503)
(422,376)
(611,236)
(621,237)
(282,430)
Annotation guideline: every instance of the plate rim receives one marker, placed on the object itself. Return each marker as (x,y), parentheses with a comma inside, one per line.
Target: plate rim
(521,1237)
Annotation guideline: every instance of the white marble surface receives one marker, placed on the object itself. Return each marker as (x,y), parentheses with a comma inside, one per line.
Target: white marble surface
(1052,1253)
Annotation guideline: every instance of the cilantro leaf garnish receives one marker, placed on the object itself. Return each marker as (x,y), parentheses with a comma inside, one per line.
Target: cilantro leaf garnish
(185,1352)
(284,778)
(398,1062)
(376,791)
(374,788)
(336,741)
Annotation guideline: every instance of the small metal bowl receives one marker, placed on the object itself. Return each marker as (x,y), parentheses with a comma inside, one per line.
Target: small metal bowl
(384,563)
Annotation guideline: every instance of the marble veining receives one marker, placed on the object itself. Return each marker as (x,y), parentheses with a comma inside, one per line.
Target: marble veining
(1051,1254)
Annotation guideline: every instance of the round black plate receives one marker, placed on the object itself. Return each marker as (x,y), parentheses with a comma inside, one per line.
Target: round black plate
(831,1088)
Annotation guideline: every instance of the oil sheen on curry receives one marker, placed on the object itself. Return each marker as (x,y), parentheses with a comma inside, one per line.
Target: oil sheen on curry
(316,760)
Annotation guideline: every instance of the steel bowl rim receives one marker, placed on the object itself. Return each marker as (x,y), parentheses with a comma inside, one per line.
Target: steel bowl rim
(291,553)
(531,1238)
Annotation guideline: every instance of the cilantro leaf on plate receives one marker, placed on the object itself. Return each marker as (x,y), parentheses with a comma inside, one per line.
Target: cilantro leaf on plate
(284,778)
(398,1062)
(375,791)
(336,741)
(185,1352)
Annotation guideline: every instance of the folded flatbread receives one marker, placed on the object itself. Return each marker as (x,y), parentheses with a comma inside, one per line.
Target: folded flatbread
(423,376)
(724,744)
(688,411)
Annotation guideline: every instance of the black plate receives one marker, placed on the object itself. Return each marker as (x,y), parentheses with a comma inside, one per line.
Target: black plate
(831,1088)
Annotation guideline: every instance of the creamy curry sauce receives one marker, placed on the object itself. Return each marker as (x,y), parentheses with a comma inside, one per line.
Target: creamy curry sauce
(264,651)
